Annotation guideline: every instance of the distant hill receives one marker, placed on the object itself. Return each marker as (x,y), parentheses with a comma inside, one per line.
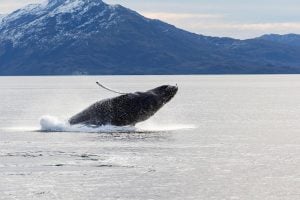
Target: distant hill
(289,39)
(67,37)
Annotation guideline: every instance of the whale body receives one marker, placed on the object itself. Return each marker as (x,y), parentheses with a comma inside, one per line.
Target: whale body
(126,110)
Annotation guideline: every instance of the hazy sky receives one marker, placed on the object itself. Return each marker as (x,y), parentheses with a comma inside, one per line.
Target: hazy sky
(234,18)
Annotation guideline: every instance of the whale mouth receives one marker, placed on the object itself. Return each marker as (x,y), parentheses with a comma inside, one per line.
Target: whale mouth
(173,89)
(170,92)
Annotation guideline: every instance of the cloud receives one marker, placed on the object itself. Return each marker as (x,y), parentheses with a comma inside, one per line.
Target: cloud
(220,25)
(180,16)
(243,30)
(7,6)
(285,26)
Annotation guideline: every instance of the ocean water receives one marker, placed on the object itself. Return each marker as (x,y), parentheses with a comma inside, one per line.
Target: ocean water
(221,137)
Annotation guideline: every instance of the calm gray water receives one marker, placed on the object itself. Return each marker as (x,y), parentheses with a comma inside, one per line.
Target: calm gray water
(222,137)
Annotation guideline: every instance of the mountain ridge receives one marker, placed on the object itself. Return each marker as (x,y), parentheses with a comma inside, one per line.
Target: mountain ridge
(66,37)
(289,39)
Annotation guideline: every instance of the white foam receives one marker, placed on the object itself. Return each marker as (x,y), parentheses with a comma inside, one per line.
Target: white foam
(53,124)
(154,127)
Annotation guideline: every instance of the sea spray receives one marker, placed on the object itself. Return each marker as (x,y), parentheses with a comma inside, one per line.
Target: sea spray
(53,124)
(50,123)
(155,127)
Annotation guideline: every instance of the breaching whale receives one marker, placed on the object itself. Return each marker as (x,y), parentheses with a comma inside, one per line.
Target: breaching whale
(127,109)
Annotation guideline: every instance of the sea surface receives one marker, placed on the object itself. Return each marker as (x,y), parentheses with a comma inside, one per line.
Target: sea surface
(220,138)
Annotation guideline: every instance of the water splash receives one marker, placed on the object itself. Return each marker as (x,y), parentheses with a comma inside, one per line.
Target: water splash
(154,127)
(53,124)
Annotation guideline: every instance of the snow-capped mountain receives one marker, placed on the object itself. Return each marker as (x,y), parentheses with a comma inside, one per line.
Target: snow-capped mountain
(92,37)
(57,21)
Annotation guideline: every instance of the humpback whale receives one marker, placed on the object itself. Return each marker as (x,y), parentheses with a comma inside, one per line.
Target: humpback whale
(127,109)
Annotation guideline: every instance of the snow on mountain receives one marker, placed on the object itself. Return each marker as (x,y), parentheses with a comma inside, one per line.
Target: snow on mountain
(20,25)
(1,17)
(70,6)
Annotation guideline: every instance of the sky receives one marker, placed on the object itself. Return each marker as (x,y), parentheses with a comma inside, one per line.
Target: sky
(224,18)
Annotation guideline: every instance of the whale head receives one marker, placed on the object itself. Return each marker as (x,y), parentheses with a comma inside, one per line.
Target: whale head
(165,92)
